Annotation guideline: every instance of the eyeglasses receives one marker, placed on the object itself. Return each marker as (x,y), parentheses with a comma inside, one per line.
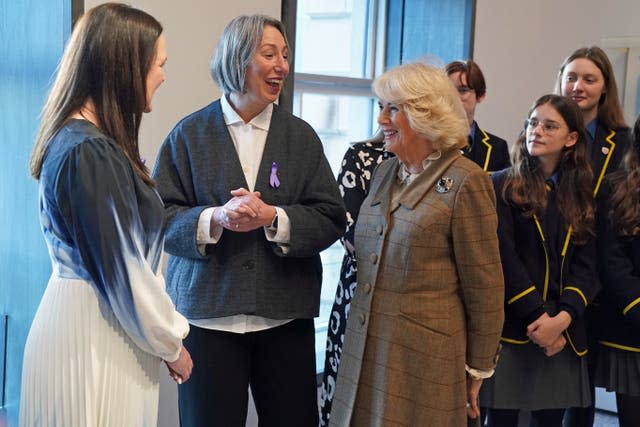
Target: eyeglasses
(464,90)
(547,127)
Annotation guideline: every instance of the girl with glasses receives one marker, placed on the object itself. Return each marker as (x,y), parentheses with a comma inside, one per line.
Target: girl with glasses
(546,220)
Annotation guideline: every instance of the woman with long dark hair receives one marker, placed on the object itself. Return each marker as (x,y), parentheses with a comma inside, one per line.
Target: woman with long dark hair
(546,227)
(587,77)
(105,321)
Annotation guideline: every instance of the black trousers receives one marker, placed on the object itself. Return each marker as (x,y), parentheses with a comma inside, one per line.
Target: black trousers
(509,418)
(278,364)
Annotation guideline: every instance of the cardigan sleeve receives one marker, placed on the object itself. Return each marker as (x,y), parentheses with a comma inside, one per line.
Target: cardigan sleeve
(173,175)
(477,257)
(620,280)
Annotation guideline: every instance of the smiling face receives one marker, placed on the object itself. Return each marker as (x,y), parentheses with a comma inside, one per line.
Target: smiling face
(155,76)
(399,138)
(583,81)
(547,135)
(265,74)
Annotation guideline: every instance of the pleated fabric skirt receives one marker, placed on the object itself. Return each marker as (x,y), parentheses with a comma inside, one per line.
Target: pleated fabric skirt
(81,369)
(527,379)
(618,370)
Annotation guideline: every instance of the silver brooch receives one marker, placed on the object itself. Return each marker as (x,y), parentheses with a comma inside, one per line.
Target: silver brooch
(444,184)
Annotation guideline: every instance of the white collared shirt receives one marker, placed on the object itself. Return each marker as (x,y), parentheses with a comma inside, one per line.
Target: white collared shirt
(249,140)
(406,177)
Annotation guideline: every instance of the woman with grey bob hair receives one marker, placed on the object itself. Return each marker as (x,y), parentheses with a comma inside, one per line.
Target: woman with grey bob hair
(237,45)
(426,317)
(250,202)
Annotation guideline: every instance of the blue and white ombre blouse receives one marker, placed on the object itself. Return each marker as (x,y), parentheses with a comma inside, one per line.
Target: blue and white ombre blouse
(104,225)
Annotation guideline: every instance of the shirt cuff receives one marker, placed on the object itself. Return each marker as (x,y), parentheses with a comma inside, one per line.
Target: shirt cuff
(478,374)
(204,234)
(282,234)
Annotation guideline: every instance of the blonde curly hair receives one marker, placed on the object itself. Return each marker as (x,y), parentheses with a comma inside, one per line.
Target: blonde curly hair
(430,101)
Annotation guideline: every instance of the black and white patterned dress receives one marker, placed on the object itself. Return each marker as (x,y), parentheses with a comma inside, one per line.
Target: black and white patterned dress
(357,167)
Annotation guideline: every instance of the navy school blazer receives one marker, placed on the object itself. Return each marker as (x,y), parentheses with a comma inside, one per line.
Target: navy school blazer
(606,153)
(488,151)
(524,250)
(618,311)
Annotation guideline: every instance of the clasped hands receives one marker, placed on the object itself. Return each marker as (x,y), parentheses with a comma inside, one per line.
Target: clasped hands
(245,211)
(546,331)
(180,369)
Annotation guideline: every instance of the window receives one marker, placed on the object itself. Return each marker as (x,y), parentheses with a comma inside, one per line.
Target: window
(335,62)
(340,47)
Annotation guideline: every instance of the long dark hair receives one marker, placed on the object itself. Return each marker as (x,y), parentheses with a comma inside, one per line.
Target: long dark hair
(610,112)
(525,183)
(625,196)
(106,61)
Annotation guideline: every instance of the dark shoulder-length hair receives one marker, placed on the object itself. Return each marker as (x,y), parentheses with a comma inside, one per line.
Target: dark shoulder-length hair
(106,61)
(238,44)
(625,183)
(473,73)
(525,183)
(610,112)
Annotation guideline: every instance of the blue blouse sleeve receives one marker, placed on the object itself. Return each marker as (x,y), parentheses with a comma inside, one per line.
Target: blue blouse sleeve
(96,187)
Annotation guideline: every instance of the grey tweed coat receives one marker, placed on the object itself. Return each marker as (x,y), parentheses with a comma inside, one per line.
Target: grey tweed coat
(429,297)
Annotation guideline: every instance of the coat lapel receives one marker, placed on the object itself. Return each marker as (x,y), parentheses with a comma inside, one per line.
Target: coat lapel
(410,195)
(381,193)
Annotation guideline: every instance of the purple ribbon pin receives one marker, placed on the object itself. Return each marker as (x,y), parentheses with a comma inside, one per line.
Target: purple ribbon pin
(274,182)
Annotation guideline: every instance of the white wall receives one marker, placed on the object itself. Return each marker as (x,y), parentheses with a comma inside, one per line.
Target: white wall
(192,29)
(520,46)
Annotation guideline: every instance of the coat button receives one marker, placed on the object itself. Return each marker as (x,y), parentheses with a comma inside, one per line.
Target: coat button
(379,229)
(367,288)
(363,319)
(249,265)
(373,258)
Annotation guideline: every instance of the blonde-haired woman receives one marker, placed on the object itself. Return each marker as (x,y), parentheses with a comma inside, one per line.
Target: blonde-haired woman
(426,317)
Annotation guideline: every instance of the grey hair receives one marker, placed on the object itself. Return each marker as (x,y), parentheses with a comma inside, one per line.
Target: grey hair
(239,42)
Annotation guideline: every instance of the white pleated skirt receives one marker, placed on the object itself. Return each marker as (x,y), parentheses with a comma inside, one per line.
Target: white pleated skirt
(81,369)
